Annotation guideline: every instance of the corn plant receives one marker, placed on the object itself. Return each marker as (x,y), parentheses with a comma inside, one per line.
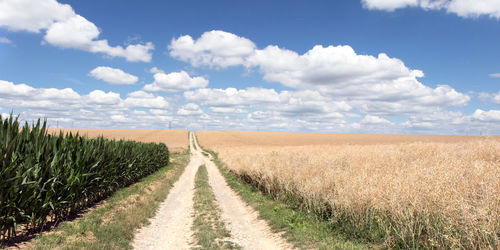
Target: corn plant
(46,177)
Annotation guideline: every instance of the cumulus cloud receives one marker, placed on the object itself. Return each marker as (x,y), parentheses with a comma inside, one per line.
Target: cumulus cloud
(371,119)
(228,110)
(463,8)
(308,104)
(102,98)
(495,75)
(487,116)
(22,95)
(174,82)
(378,84)
(32,16)
(232,97)
(190,109)
(474,8)
(79,33)
(436,120)
(64,28)
(112,75)
(91,110)
(326,66)
(145,100)
(248,109)
(330,85)
(9,89)
(215,49)
(338,71)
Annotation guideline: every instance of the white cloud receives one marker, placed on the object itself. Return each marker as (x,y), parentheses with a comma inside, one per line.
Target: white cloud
(145,100)
(389,5)
(113,76)
(119,118)
(190,109)
(310,104)
(94,110)
(228,110)
(32,16)
(22,95)
(455,122)
(474,8)
(327,66)
(496,98)
(232,97)
(215,49)
(102,98)
(5,40)
(155,70)
(65,29)
(304,110)
(261,116)
(174,82)
(79,33)
(463,8)
(495,75)
(337,71)
(9,89)
(489,97)
(380,84)
(74,32)
(371,119)
(486,116)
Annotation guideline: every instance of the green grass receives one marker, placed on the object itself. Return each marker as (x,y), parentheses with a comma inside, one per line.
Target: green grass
(303,229)
(112,225)
(208,227)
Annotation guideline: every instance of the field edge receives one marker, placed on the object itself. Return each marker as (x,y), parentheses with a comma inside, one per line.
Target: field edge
(113,224)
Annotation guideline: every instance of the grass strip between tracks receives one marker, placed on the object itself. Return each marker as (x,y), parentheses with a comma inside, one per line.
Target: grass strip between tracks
(112,224)
(303,229)
(208,227)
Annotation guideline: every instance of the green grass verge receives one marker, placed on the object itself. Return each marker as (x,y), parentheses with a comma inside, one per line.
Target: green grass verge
(303,229)
(208,227)
(112,225)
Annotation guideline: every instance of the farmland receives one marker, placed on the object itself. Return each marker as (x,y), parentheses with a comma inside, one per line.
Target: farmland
(397,190)
(48,178)
(249,138)
(175,139)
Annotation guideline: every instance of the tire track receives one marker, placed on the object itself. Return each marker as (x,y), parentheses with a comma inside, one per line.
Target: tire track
(247,230)
(171,226)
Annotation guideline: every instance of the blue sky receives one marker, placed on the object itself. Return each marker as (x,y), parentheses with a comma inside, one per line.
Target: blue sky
(368,66)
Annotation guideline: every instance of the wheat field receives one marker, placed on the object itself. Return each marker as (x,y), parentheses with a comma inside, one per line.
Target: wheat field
(175,139)
(405,191)
(247,138)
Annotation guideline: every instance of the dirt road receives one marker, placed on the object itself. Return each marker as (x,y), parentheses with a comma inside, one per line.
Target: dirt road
(247,230)
(171,227)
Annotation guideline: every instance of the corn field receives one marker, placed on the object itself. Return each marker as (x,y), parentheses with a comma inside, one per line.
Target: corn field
(46,178)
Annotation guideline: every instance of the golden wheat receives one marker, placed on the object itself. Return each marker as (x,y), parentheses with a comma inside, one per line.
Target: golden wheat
(246,138)
(431,194)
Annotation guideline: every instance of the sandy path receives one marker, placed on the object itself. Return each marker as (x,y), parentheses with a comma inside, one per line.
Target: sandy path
(171,227)
(247,230)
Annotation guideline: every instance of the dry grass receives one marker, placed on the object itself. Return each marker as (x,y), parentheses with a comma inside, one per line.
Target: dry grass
(408,191)
(175,139)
